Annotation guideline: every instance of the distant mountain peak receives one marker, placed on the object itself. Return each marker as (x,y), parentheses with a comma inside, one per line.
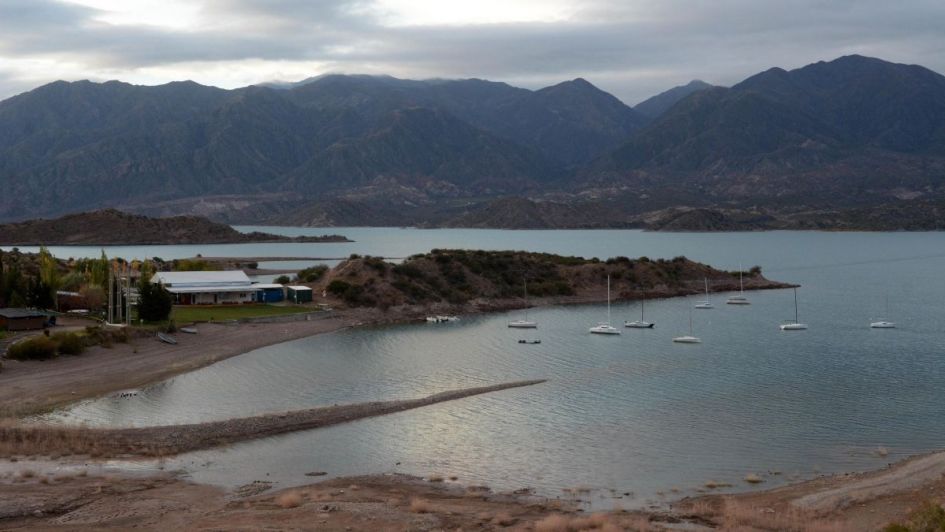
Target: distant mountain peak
(659,104)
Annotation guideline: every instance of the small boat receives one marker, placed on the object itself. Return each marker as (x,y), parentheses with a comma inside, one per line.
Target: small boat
(883,323)
(188,330)
(794,325)
(705,305)
(441,319)
(640,323)
(166,338)
(688,339)
(740,299)
(524,323)
(605,327)
(529,342)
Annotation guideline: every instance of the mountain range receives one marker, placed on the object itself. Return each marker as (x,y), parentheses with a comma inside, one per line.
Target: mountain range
(852,134)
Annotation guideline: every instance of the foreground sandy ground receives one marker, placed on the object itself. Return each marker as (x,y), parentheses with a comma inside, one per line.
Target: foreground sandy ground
(45,495)
(71,502)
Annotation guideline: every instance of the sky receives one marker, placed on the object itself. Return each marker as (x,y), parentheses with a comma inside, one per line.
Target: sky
(631,48)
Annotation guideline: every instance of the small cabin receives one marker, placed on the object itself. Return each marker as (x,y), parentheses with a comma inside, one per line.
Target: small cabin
(298,294)
(21,319)
(269,293)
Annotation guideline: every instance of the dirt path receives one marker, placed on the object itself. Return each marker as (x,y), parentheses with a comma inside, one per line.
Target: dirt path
(20,439)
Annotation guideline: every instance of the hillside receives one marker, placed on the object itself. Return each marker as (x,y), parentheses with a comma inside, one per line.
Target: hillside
(489,280)
(111,227)
(854,131)
(654,106)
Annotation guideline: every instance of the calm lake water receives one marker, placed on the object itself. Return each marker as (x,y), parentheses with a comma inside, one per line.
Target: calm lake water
(634,413)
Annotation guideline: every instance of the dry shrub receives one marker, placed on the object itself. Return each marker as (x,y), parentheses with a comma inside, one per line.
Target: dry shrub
(435,478)
(740,516)
(289,499)
(27,473)
(553,523)
(753,478)
(504,519)
(420,506)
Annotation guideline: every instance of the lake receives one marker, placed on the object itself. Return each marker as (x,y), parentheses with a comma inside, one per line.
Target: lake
(634,413)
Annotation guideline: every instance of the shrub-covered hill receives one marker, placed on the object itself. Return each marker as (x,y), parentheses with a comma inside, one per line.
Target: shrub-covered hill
(494,279)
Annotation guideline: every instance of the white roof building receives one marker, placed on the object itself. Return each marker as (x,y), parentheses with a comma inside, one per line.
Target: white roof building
(207,288)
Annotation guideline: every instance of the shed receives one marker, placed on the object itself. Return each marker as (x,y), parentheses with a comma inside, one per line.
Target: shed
(21,319)
(269,293)
(298,294)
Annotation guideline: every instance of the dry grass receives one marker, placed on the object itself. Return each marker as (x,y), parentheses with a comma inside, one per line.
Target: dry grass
(289,499)
(599,521)
(504,519)
(420,506)
(735,515)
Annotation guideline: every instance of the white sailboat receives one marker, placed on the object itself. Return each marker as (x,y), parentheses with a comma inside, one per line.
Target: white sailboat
(883,323)
(688,339)
(640,323)
(524,323)
(740,299)
(605,328)
(705,305)
(794,325)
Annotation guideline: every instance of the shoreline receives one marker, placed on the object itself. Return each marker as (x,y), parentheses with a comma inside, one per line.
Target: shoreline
(33,387)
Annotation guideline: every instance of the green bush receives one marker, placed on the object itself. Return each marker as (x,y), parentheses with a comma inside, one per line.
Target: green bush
(930,517)
(69,343)
(36,348)
(338,287)
(311,275)
(282,279)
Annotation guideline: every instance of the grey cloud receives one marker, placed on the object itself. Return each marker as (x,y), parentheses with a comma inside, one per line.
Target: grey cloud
(631,49)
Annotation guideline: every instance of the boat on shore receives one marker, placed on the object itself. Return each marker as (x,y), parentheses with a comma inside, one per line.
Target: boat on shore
(441,319)
(166,338)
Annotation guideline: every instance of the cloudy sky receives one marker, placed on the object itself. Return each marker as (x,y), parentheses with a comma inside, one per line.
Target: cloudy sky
(632,48)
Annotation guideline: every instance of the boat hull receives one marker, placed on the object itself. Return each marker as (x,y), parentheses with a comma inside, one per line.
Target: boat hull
(794,327)
(687,340)
(638,325)
(523,325)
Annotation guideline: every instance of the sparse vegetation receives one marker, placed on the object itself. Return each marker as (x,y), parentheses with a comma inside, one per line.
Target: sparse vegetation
(289,499)
(929,517)
(308,275)
(35,348)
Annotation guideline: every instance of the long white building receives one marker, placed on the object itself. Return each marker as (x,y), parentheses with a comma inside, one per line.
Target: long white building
(207,288)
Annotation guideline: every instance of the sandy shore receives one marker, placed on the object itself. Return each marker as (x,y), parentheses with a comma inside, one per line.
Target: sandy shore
(36,386)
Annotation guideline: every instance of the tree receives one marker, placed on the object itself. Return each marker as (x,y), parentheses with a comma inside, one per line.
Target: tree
(154,302)
(282,279)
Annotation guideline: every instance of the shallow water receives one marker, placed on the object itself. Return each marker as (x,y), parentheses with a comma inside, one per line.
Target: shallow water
(634,413)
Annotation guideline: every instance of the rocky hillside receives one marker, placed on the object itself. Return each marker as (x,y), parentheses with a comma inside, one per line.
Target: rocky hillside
(111,227)
(482,280)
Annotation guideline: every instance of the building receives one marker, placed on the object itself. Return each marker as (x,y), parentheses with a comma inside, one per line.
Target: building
(21,319)
(298,294)
(269,293)
(207,288)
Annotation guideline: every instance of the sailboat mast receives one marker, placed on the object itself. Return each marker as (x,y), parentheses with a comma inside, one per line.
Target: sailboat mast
(525,292)
(741,283)
(608,300)
(690,321)
(642,302)
(795,305)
